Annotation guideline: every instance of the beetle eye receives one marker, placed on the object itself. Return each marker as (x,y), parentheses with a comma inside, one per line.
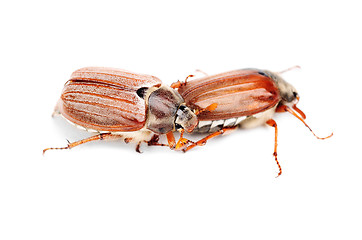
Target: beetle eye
(182,107)
(142,92)
(178,126)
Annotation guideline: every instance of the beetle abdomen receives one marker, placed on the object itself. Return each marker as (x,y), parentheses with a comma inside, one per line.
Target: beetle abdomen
(215,125)
(106,99)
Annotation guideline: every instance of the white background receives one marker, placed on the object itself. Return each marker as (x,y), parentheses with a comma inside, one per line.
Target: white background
(224,190)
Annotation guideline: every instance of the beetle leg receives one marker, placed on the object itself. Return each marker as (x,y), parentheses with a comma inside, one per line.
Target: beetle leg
(203,141)
(101,136)
(155,141)
(171,140)
(284,108)
(182,141)
(178,84)
(280,108)
(273,124)
(138,147)
(301,113)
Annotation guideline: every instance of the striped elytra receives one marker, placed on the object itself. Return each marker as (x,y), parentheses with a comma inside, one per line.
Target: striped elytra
(106,99)
(237,93)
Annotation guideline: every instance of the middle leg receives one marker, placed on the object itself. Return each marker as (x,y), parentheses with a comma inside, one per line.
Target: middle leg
(203,141)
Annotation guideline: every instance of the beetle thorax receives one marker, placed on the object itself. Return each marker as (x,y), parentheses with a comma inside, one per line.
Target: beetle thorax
(167,111)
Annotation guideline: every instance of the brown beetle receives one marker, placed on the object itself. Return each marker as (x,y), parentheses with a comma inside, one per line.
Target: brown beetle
(245,98)
(116,104)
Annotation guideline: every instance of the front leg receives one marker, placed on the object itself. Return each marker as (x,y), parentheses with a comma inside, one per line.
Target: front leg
(182,142)
(178,84)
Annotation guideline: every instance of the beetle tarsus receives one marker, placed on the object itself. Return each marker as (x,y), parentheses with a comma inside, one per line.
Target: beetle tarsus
(60,148)
(101,136)
(276,160)
(138,147)
(273,124)
(155,141)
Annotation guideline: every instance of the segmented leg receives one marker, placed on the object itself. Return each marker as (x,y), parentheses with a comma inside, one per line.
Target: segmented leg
(273,124)
(182,141)
(171,140)
(153,142)
(101,136)
(283,108)
(138,147)
(203,141)
(178,84)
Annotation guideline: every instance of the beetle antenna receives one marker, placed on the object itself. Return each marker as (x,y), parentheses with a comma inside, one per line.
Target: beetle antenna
(200,71)
(288,69)
(301,119)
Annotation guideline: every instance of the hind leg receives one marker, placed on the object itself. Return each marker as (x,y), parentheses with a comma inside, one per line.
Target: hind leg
(101,136)
(201,142)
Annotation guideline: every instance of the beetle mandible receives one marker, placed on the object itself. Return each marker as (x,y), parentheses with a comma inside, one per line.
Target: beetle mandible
(244,98)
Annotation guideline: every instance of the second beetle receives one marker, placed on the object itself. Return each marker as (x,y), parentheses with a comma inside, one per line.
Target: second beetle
(245,98)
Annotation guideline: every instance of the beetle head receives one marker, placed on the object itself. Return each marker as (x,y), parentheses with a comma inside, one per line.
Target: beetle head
(288,93)
(185,118)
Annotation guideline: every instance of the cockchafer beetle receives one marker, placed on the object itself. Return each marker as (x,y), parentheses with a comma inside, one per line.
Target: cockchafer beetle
(245,98)
(116,104)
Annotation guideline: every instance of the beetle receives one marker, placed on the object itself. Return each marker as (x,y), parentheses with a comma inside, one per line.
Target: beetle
(116,103)
(245,98)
